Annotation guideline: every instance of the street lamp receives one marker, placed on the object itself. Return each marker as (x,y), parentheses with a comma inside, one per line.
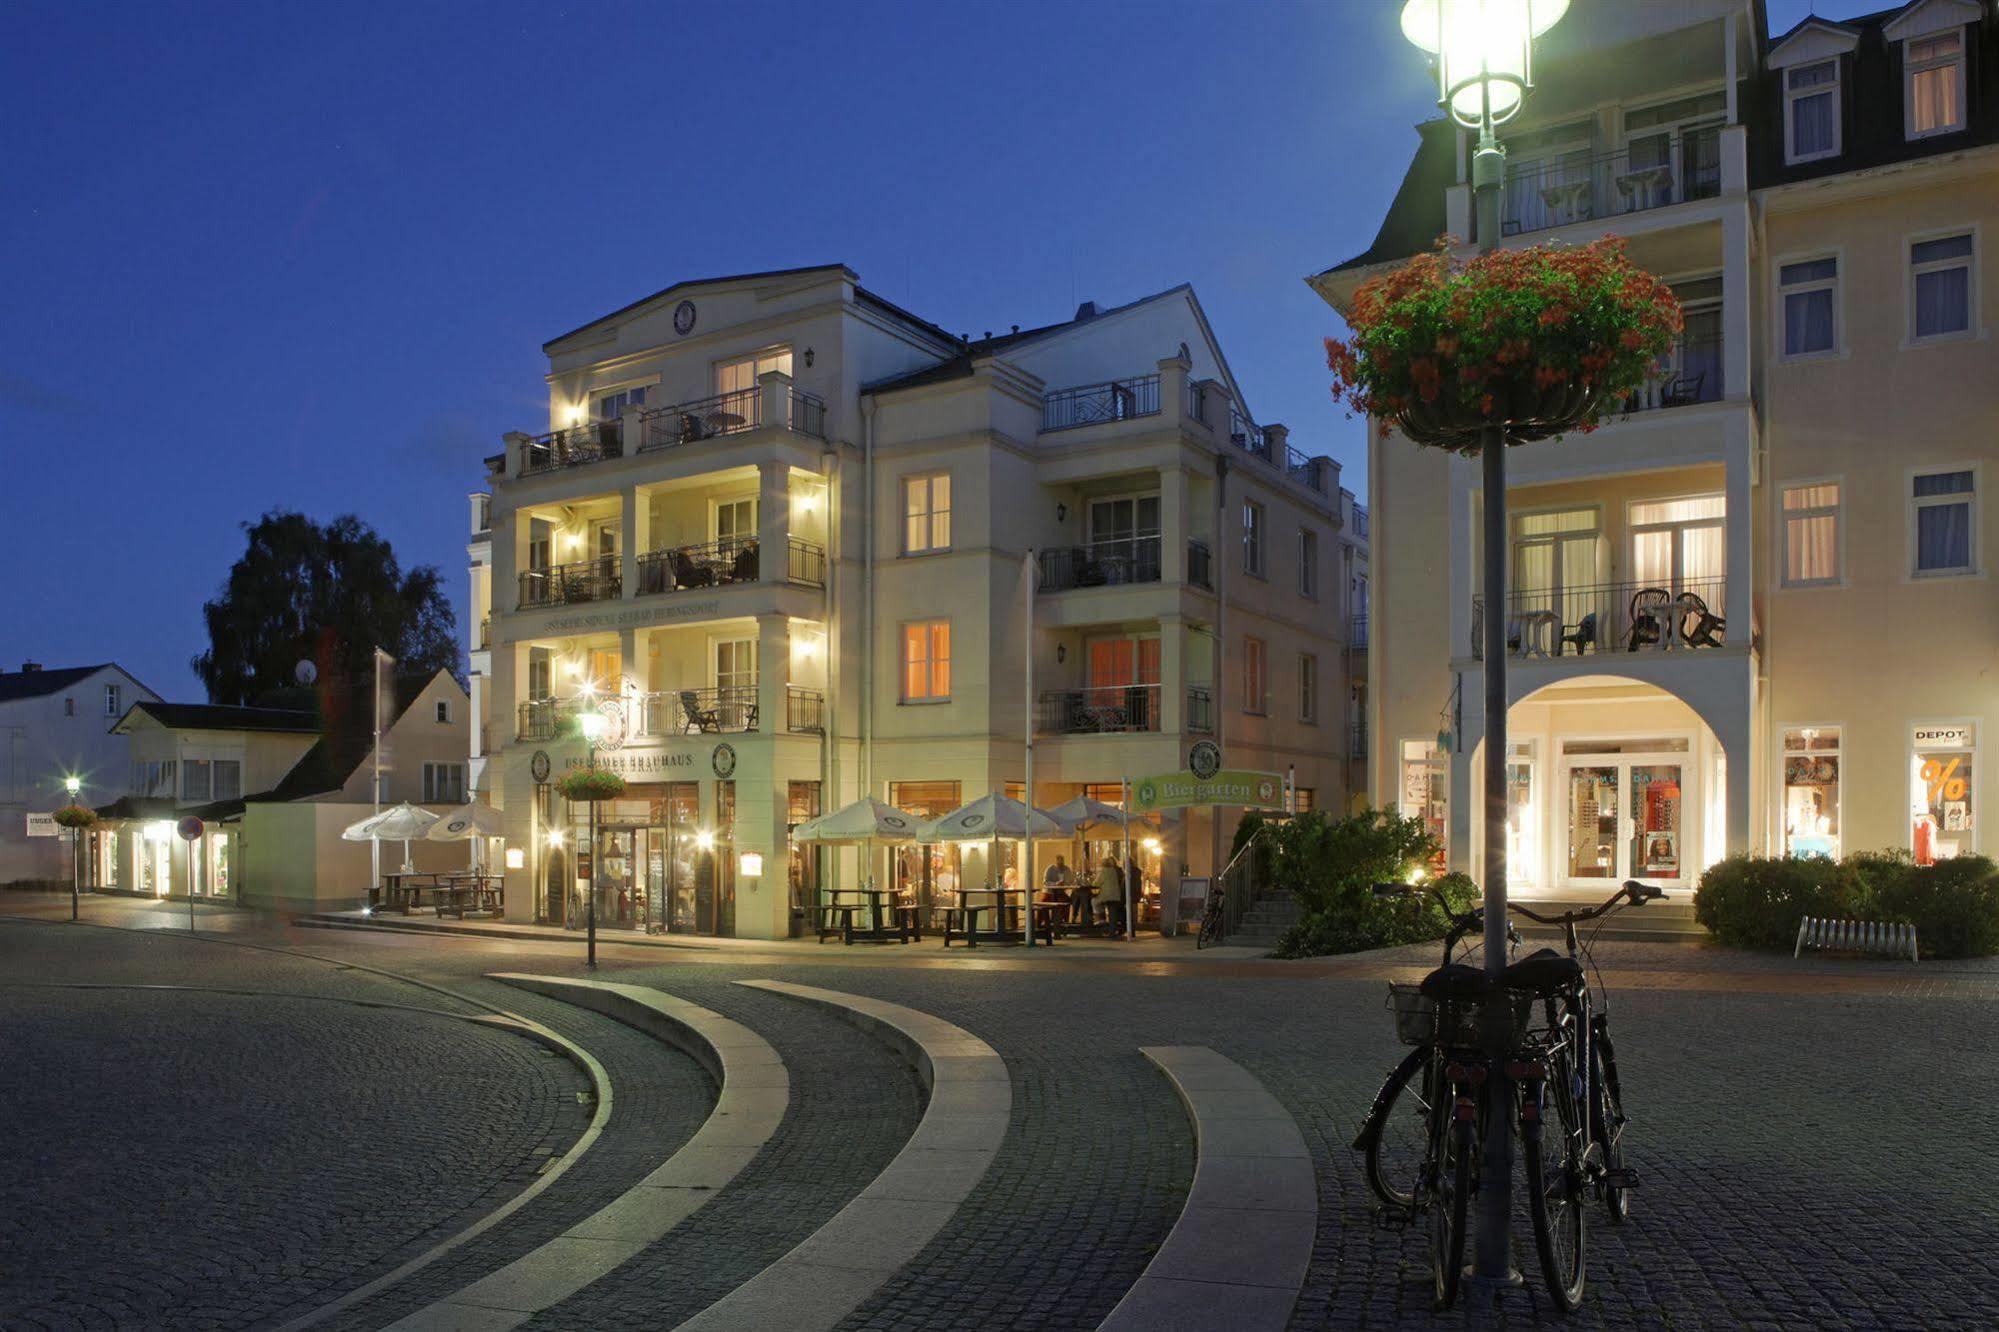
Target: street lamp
(592,726)
(1484,56)
(74,785)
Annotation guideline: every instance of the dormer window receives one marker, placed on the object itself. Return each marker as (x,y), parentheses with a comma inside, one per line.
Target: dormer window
(1811,111)
(1933,84)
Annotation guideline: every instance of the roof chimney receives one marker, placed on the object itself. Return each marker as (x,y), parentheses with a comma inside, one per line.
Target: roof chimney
(30,666)
(1087,310)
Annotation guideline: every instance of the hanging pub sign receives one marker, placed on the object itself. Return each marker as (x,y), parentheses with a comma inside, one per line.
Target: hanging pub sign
(1181,790)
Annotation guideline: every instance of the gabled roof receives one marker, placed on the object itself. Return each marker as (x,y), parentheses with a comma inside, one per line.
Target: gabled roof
(1813,38)
(1416,217)
(347,738)
(222,717)
(39,684)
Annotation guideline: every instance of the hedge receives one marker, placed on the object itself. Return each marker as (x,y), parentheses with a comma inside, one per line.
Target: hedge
(1757,902)
(1333,864)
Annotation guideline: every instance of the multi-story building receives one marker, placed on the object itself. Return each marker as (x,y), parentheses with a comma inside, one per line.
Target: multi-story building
(54,725)
(1754,612)
(783,533)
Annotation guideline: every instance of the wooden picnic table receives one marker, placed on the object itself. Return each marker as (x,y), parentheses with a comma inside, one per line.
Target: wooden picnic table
(962,921)
(889,921)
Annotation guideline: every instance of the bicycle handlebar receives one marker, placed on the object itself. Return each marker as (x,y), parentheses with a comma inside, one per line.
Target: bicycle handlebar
(1638,894)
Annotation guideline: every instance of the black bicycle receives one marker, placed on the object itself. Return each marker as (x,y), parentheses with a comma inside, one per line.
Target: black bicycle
(1211,919)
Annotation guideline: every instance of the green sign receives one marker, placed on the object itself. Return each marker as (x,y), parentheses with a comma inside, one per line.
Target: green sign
(1179,790)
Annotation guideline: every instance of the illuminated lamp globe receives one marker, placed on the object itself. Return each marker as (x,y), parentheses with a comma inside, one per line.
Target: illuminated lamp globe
(1483,50)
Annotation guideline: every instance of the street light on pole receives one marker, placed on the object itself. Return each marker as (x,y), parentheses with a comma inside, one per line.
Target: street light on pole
(74,785)
(592,726)
(1484,55)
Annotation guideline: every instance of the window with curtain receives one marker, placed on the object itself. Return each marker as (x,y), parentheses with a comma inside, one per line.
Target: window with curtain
(1810,292)
(1933,67)
(1123,661)
(736,663)
(1942,511)
(228,778)
(1811,111)
(741,375)
(1811,534)
(1680,545)
(1555,561)
(1940,287)
(736,519)
(926,513)
(1255,675)
(196,780)
(926,661)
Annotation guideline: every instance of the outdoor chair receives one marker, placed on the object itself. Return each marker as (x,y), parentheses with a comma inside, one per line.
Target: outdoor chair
(687,573)
(1582,637)
(1682,390)
(698,718)
(691,428)
(1706,628)
(744,570)
(1649,621)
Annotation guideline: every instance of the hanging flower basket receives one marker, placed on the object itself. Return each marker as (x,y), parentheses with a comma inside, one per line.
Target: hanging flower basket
(590,784)
(74,816)
(1538,341)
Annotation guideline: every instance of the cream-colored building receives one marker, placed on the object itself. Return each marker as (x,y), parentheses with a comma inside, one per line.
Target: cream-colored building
(1755,613)
(782,531)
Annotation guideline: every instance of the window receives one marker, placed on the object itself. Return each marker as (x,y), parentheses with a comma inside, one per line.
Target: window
(1942,768)
(1810,291)
(1943,523)
(1308,563)
(1123,533)
(1811,111)
(1252,537)
(444,783)
(228,778)
(1554,563)
(1933,84)
(444,711)
(1124,675)
(1304,799)
(196,780)
(1426,791)
(926,513)
(1811,534)
(541,681)
(111,708)
(611,406)
(926,661)
(736,519)
(1811,791)
(1255,675)
(1940,288)
(1680,545)
(740,376)
(69,706)
(1308,688)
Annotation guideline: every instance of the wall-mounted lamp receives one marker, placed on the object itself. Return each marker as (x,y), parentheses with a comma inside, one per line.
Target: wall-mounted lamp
(1061,653)
(575,413)
(808,358)
(750,865)
(705,840)
(554,838)
(516,858)
(1151,845)
(1061,513)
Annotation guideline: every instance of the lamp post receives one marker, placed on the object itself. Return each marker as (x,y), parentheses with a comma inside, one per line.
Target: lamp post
(1484,57)
(74,785)
(592,726)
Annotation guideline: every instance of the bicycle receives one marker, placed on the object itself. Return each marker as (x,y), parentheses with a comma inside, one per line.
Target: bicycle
(1211,919)
(1441,1018)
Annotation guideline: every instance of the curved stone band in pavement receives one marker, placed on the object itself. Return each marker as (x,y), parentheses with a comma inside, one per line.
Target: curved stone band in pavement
(1238,1255)
(755,1092)
(819,1283)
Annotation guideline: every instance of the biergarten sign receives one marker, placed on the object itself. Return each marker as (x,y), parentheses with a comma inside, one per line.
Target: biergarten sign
(1181,790)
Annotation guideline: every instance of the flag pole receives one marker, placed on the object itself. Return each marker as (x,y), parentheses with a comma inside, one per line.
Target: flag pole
(375,786)
(1027,710)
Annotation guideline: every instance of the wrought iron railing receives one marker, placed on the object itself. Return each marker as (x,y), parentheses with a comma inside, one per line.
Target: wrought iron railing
(1093,404)
(1357,740)
(597,579)
(1360,522)
(1651,172)
(573,446)
(1688,374)
(727,414)
(542,718)
(806,563)
(1248,436)
(1304,469)
(1200,564)
(732,708)
(1608,618)
(1197,402)
(709,564)
(1101,710)
(804,710)
(1200,710)
(1357,632)
(1101,564)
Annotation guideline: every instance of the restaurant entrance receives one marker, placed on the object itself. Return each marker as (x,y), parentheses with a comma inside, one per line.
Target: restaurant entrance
(657,865)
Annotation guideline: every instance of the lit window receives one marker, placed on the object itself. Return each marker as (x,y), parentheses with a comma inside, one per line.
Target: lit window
(1811,306)
(1255,675)
(1811,534)
(1811,791)
(926,509)
(1308,687)
(1811,111)
(741,376)
(1308,562)
(1943,523)
(1425,793)
(1304,799)
(926,661)
(1252,537)
(1933,84)
(1940,287)
(1942,771)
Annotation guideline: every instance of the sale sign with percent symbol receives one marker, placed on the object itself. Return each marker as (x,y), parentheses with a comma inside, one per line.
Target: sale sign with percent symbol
(1941,792)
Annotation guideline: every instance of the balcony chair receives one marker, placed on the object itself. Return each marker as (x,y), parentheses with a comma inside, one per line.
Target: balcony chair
(744,570)
(1583,636)
(1682,390)
(705,720)
(688,573)
(1707,627)
(1650,620)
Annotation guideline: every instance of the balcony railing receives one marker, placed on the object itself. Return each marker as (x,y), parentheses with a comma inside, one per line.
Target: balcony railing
(1304,469)
(727,414)
(1652,172)
(1357,740)
(710,564)
(566,584)
(1248,436)
(806,564)
(1094,404)
(1101,564)
(1690,373)
(1100,711)
(804,711)
(732,708)
(1197,402)
(572,447)
(1200,710)
(1357,632)
(543,718)
(1200,564)
(1609,618)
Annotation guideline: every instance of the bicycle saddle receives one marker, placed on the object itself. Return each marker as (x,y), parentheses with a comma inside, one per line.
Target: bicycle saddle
(1456,981)
(1543,971)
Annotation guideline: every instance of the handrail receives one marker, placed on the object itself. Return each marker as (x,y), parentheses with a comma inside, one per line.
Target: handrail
(1113,562)
(1094,404)
(595,579)
(1579,187)
(572,446)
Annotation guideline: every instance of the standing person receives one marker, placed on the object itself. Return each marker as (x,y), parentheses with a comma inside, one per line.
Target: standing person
(1110,888)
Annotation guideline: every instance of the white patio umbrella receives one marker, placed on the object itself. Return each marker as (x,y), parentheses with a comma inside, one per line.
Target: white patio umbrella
(994,817)
(1086,813)
(867,822)
(472,823)
(404,824)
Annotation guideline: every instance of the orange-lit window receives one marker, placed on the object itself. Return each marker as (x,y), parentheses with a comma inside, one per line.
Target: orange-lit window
(926,661)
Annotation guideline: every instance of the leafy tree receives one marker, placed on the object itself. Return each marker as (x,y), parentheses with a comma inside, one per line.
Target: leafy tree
(1333,863)
(327,593)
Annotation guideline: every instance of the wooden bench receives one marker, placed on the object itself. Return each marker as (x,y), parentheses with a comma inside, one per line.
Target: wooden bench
(843,913)
(963,922)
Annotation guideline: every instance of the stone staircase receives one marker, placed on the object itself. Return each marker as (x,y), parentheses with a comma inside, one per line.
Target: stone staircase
(1271,915)
(1668,920)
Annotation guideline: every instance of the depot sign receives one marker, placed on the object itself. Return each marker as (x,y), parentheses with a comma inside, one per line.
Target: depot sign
(1181,790)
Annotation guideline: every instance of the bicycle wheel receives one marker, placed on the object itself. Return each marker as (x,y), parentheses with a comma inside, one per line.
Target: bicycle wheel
(1450,1194)
(1607,1122)
(1551,1165)
(1397,1136)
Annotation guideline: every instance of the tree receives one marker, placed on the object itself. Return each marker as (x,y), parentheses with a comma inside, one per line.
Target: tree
(325,593)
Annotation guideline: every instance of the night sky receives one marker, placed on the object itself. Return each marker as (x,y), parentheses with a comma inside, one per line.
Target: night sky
(288,255)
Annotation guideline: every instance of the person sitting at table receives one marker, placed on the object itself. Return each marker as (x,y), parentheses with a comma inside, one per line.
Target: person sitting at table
(1059,874)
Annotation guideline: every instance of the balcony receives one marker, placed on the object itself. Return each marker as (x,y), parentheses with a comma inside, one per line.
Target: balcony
(1200,710)
(1357,741)
(720,563)
(729,709)
(569,584)
(1609,618)
(724,414)
(543,718)
(1248,436)
(1357,633)
(1095,404)
(587,443)
(1110,563)
(1691,373)
(1105,710)
(1307,471)
(804,711)
(1654,172)
(1200,565)
(805,564)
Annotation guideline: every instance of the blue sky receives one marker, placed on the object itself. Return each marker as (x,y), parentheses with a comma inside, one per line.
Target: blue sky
(260,256)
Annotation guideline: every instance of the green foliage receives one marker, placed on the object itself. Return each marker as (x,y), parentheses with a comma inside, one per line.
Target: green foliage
(74,816)
(1748,902)
(590,784)
(1333,863)
(326,593)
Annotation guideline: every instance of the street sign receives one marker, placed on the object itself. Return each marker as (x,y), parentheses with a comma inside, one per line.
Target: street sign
(42,825)
(1179,790)
(189,829)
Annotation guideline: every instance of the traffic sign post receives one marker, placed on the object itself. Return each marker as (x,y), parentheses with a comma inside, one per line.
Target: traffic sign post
(190,829)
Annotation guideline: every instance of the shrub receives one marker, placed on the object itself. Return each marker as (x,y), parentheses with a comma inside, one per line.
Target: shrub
(590,784)
(1954,905)
(74,816)
(1757,903)
(1751,902)
(1333,865)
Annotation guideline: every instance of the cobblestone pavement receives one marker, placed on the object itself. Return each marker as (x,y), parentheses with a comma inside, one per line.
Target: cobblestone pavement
(1810,1157)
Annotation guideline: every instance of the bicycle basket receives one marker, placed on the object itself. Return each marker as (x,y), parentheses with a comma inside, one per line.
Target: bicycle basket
(1422,1020)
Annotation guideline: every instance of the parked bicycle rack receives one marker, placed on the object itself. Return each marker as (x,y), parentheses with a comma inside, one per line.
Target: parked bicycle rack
(1857,936)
